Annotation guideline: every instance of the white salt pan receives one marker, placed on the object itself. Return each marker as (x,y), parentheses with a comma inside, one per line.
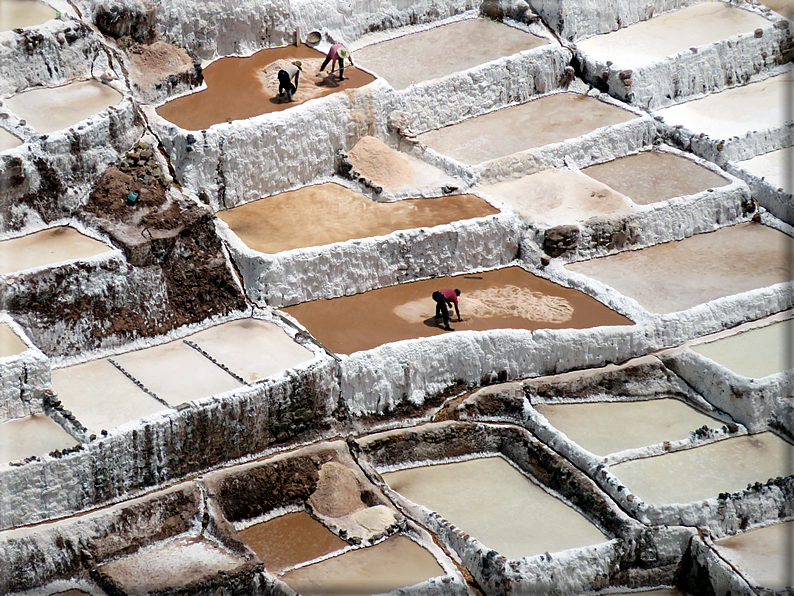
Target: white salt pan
(761,554)
(772,166)
(47,247)
(10,344)
(32,435)
(23,13)
(8,141)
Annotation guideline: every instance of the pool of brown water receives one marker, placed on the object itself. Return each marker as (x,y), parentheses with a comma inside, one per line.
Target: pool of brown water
(508,298)
(237,88)
(326,213)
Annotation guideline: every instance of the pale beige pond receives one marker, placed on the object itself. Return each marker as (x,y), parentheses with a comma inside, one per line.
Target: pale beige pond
(48,247)
(395,563)
(100,396)
(608,427)
(23,13)
(653,176)
(8,141)
(733,112)
(558,196)
(33,435)
(679,275)
(755,353)
(772,167)
(414,58)
(498,505)
(703,472)
(549,119)
(760,554)
(10,342)
(662,592)
(671,32)
(50,109)
(783,7)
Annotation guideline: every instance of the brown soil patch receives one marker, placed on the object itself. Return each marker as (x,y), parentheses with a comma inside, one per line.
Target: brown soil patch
(150,64)
(338,493)
(381,164)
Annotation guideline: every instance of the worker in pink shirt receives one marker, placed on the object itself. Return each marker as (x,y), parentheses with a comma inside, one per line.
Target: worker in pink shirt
(443,298)
(337,53)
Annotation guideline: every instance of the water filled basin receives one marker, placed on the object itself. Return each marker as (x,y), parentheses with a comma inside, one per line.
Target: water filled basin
(32,435)
(48,247)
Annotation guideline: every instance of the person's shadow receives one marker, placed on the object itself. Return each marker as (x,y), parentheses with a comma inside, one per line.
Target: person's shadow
(434,322)
(328,80)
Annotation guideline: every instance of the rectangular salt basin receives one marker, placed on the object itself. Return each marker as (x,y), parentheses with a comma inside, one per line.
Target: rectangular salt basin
(608,427)
(497,505)
(252,349)
(679,275)
(289,540)
(706,471)
(772,167)
(8,141)
(50,109)
(47,247)
(755,353)
(671,32)
(761,555)
(10,343)
(653,176)
(15,14)
(327,213)
(33,435)
(549,119)
(100,396)
(558,196)
(508,298)
(734,112)
(411,59)
(389,565)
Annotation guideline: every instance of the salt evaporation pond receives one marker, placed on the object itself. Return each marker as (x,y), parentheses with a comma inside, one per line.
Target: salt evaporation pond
(55,108)
(653,176)
(47,247)
(32,435)
(771,167)
(549,119)
(663,592)
(409,59)
(289,540)
(8,141)
(755,353)
(394,563)
(100,396)
(10,343)
(240,88)
(327,213)
(558,196)
(507,513)
(783,7)
(733,112)
(508,298)
(23,13)
(761,554)
(671,32)
(608,427)
(679,275)
(706,471)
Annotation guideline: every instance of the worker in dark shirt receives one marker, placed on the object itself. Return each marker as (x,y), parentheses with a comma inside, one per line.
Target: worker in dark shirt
(443,298)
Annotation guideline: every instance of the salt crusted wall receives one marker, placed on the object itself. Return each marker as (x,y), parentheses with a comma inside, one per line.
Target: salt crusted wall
(22,378)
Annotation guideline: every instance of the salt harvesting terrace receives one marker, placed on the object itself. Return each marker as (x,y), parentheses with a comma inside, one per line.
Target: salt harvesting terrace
(221,368)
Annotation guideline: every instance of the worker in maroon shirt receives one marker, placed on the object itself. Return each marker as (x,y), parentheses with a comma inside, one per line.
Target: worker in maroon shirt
(443,298)
(337,53)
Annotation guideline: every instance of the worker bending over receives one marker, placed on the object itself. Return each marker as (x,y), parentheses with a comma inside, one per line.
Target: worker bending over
(288,79)
(443,298)
(337,53)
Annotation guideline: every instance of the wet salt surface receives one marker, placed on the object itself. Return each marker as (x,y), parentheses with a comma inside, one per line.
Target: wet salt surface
(23,13)
(734,112)
(33,435)
(237,89)
(653,176)
(706,471)
(760,554)
(663,592)
(50,109)
(773,167)
(394,563)
(172,564)
(364,321)
(609,427)
(558,196)
(549,119)
(783,7)
(755,353)
(671,32)
(443,50)
(679,275)
(100,396)
(47,247)
(10,343)
(498,505)
(291,539)
(8,141)
(327,213)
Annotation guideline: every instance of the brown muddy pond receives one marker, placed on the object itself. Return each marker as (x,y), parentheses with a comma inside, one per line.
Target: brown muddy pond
(327,213)
(240,88)
(508,298)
